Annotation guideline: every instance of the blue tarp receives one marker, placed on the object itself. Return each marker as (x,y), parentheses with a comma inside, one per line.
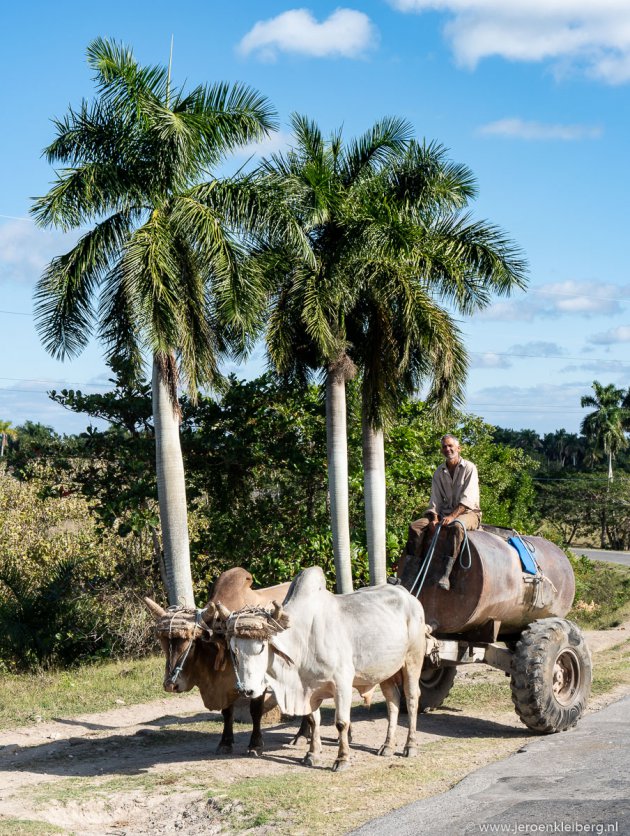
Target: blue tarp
(527,560)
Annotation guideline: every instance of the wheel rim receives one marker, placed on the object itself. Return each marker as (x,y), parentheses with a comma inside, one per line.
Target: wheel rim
(566,677)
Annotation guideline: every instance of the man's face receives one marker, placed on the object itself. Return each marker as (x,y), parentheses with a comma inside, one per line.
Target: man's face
(450,449)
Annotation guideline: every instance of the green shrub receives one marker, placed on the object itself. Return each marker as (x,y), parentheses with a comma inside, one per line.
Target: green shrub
(601,592)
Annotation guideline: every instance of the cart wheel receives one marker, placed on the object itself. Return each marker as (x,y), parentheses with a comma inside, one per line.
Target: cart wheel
(551,675)
(435,686)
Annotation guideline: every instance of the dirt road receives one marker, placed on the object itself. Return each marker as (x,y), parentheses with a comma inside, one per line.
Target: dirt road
(151,769)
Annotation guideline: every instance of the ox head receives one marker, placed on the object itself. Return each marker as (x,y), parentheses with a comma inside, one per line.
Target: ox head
(179,630)
(250,633)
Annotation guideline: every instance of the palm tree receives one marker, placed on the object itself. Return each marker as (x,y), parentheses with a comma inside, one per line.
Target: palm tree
(158,266)
(316,187)
(605,427)
(7,431)
(424,254)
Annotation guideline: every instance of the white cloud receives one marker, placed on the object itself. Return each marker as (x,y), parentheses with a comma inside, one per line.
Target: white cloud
(488,360)
(537,348)
(345,33)
(569,298)
(544,407)
(592,36)
(598,367)
(278,141)
(521,129)
(25,250)
(613,335)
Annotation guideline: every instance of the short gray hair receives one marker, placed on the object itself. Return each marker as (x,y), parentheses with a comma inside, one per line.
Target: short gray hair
(449,435)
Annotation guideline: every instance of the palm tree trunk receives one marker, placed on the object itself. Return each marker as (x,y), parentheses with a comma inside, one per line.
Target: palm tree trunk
(337,447)
(374,494)
(171,492)
(610,468)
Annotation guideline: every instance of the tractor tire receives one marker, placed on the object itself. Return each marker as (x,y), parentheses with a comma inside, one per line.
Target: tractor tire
(435,686)
(551,675)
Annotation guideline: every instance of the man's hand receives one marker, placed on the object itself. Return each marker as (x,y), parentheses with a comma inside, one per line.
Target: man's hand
(448,519)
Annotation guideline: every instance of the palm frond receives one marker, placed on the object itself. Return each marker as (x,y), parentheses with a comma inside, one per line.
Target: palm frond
(65,293)
(386,139)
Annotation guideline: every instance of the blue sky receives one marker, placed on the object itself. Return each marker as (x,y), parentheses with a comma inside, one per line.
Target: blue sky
(533,95)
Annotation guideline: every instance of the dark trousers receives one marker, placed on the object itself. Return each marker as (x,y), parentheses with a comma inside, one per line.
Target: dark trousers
(454,534)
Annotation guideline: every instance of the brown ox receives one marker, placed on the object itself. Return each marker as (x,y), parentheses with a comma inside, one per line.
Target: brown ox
(194,656)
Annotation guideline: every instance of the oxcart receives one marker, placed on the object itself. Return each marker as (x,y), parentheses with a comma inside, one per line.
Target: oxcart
(507,611)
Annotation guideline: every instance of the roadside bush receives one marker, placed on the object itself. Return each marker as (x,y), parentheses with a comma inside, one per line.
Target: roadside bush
(601,592)
(64,588)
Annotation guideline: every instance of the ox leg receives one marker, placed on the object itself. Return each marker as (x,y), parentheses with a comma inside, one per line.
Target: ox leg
(305,731)
(227,738)
(311,758)
(343,701)
(392,698)
(255,746)
(411,682)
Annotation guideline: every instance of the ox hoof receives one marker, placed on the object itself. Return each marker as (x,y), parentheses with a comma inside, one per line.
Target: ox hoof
(341,765)
(310,760)
(410,752)
(385,751)
(224,749)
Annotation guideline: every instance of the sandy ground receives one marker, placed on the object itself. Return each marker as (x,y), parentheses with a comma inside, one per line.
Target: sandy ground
(146,769)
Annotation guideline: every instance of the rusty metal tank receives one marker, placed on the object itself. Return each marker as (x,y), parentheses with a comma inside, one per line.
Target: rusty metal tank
(494,592)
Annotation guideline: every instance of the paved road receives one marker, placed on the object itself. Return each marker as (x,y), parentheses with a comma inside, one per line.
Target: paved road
(555,784)
(602,554)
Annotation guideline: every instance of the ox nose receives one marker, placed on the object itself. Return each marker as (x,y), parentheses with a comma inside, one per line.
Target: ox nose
(171,687)
(248,692)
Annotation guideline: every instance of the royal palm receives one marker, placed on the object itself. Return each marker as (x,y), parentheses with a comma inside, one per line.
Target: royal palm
(316,188)
(158,264)
(423,256)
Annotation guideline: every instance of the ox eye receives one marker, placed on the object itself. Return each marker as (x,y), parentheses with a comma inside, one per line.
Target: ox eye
(257,648)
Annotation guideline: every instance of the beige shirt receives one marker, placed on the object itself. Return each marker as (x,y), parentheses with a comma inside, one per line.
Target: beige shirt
(447,492)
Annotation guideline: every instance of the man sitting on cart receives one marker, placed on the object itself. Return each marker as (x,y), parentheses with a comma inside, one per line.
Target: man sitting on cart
(454,503)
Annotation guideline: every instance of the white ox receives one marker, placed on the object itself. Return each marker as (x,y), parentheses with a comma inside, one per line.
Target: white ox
(320,645)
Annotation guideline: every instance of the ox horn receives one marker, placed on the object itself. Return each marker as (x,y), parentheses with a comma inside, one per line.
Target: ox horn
(155,609)
(280,616)
(223,611)
(208,613)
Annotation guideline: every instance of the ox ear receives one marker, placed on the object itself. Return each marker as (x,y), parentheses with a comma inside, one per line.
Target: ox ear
(222,611)
(281,654)
(155,609)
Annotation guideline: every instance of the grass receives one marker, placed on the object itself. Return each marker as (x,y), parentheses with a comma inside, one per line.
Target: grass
(611,669)
(39,697)
(314,801)
(602,593)
(26,827)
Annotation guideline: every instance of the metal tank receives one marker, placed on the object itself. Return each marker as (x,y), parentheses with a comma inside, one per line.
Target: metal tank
(494,596)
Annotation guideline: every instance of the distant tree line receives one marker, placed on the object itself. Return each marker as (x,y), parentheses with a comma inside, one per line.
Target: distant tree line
(582,497)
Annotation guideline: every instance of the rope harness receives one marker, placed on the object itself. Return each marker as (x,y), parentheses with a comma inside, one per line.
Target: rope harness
(178,619)
(424,566)
(250,622)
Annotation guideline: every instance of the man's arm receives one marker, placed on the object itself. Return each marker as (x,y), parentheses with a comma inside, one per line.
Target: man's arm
(448,519)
